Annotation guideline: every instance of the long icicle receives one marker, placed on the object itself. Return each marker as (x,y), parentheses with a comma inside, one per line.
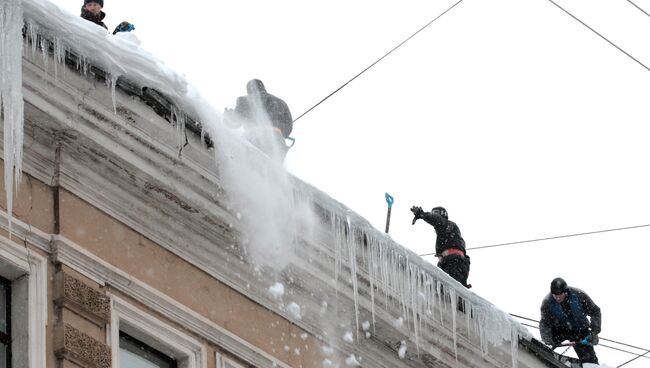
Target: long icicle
(11,97)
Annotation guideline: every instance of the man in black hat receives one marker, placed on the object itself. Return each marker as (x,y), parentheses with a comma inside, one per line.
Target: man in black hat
(450,246)
(564,317)
(92,11)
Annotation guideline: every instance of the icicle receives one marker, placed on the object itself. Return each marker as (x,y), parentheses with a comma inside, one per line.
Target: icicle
(111,81)
(514,345)
(56,45)
(372,246)
(44,47)
(352,248)
(468,315)
(11,98)
(32,31)
(454,309)
(178,121)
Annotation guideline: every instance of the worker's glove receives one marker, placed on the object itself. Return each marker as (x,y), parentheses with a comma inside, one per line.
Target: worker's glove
(589,340)
(417,213)
(124,27)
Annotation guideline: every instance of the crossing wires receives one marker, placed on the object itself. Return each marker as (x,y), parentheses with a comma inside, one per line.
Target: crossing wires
(600,35)
(378,60)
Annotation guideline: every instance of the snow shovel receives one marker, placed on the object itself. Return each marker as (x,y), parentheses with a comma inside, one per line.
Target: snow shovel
(389,200)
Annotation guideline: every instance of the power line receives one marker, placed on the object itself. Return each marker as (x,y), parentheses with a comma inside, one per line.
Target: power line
(550,238)
(601,36)
(638,7)
(378,60)
(635,358)
(601,338)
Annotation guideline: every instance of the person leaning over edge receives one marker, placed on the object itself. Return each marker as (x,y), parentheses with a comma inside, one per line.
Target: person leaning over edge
(564,317)
(92,12)
(450,246)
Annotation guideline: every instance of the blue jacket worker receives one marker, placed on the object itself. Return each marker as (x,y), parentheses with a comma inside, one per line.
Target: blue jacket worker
(450,246)
(568,313)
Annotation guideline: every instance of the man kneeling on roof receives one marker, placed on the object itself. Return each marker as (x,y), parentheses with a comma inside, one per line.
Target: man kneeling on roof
(564,317)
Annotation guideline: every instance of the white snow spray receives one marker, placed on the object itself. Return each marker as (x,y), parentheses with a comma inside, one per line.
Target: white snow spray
(11,96)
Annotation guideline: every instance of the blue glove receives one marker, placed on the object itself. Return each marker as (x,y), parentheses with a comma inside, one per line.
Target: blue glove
(586,340)
(124,27)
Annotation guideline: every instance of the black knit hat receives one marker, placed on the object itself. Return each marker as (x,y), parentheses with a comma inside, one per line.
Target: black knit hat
(558,286)
(100,2)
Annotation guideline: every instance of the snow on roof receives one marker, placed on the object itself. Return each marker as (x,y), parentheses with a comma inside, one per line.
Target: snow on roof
(121,58)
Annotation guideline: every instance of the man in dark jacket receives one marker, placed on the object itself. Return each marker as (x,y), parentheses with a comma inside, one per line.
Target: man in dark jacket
(450,246)
(92,11)
(564,317)
(258,111)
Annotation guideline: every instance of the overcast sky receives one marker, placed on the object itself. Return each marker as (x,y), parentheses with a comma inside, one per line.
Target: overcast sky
(518,119)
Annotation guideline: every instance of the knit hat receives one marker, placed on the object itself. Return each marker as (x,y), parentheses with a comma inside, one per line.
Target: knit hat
(100,2)
(558,286)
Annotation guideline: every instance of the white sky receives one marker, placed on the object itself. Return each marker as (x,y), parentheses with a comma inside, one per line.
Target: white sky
(519,120)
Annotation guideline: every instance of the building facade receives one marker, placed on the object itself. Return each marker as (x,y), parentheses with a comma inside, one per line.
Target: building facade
(125,249)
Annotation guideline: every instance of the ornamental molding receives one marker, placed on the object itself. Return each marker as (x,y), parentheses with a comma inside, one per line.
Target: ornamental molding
(81,349)
(75,295)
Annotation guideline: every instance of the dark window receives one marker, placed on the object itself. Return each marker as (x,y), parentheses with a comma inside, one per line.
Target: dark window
(5,323)
(136,354)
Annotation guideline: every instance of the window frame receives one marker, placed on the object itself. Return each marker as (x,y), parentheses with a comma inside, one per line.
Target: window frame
(5,337)
(224,362)
(153,333)
(173,363)
(26,272)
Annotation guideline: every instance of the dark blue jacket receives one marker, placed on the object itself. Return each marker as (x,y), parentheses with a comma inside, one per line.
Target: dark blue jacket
(569,319)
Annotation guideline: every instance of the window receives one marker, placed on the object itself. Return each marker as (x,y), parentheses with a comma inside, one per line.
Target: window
(136,354)
(5,323)
(144,341)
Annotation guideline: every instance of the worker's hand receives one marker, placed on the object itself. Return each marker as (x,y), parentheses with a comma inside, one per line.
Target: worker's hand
(417,213)
(124,27)
(594,339)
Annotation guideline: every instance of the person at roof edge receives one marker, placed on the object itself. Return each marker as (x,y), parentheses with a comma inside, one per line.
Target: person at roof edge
(450,246)
(564,317)
(92,11)
(261,112)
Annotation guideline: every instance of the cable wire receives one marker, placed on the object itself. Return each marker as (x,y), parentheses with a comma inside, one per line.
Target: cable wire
(638,7)
(550,238)
(635,358)
(378,60)
(601,338)
(601,36)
